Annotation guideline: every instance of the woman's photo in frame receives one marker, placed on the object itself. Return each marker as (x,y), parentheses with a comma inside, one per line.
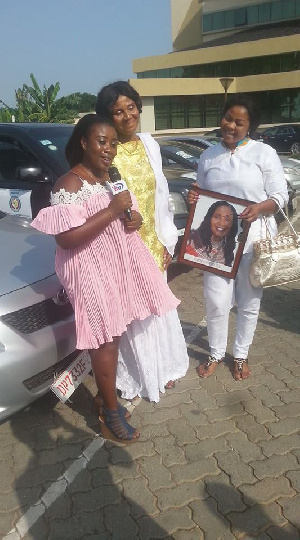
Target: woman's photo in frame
(215,236)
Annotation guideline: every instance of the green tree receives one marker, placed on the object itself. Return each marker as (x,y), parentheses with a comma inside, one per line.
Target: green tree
(36,103)
(67,108)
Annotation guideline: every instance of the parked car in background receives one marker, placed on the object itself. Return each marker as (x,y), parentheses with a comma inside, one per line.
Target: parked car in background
(195,140)
(214,132)
(37,328)
(284,138)
(32,157)
(291,167)
(187,155)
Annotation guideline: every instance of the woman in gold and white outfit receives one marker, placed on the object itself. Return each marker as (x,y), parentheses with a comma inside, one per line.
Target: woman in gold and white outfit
(145,369)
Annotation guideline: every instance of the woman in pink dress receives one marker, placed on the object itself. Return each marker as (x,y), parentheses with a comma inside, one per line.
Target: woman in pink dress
(109,275)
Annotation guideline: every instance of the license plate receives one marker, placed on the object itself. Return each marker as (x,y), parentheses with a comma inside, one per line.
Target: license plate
(64,386)
(294,203)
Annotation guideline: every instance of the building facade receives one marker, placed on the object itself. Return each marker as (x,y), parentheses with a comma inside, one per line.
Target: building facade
(253,44)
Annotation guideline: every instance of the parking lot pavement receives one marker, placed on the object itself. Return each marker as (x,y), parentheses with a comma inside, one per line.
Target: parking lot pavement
(217,459)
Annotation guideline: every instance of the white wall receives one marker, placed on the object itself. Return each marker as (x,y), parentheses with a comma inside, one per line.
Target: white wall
(147,118)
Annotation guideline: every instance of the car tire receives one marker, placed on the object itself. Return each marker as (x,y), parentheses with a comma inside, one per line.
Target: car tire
(295,148)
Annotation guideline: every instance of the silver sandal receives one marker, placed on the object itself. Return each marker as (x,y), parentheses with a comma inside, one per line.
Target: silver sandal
(210,361)
(240,362)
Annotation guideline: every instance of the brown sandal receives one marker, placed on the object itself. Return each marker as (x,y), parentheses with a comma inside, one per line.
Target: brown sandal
(209,367)
(238,369)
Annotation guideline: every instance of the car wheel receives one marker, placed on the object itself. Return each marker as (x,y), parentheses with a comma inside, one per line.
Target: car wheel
(295,148)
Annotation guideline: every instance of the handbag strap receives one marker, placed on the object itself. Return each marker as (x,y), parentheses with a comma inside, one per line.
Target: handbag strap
(294,232)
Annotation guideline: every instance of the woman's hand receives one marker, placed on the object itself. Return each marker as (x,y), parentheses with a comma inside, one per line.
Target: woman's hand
(193,195)
(167,259)
(253,211)
(135,223)
(119,203)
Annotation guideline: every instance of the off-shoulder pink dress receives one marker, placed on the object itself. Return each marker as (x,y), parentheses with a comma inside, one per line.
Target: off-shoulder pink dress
(113,279)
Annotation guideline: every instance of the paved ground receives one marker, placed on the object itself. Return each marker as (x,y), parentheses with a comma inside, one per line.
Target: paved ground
(217,459)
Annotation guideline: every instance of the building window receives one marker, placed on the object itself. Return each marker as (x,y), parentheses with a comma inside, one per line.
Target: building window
(240,16)
(252,15)
(276,10)
(233,68)
(278,106)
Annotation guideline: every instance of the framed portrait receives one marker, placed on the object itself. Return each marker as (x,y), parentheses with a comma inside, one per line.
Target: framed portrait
(215,235)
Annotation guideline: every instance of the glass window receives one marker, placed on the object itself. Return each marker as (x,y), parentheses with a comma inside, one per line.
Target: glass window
(177,72)
(277,11)
(252,14)
(240,16)
(289,9)
(163,73)
(264,12)
(229,18)
(162,112)
(207,22)
(12,157)
(297,8)
(218,20)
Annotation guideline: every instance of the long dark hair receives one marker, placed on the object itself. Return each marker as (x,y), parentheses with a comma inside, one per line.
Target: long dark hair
(74,151)
(109,94)
(204,232)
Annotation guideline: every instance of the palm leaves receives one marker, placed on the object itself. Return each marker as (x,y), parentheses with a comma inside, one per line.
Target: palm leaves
(35,103)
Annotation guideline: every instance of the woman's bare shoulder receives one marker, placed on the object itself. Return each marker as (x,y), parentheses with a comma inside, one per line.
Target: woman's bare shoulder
(70,182)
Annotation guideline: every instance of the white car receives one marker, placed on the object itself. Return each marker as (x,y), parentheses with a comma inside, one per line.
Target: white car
(37,328)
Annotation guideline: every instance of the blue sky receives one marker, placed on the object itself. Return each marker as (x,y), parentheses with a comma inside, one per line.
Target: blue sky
(82,44)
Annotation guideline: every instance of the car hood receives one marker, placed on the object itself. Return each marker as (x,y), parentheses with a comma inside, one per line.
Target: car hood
(27,255)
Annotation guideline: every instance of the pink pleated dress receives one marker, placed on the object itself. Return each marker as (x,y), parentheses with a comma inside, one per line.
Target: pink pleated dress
(113,279)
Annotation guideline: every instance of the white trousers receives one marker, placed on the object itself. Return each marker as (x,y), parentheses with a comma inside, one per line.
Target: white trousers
(221,294)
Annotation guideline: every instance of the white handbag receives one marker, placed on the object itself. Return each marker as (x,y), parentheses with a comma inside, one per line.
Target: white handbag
(276,261)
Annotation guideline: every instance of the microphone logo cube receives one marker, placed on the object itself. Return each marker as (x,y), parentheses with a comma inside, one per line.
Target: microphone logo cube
(118,187)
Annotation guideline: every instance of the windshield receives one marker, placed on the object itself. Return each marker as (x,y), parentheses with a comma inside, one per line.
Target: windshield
(185,151)
(54,140)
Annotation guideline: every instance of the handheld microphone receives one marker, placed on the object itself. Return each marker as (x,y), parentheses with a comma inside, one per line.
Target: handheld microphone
(117,186)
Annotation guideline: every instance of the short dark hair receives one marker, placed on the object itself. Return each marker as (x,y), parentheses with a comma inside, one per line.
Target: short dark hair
(251,106)
(204,232)
(73,151)
(109,94)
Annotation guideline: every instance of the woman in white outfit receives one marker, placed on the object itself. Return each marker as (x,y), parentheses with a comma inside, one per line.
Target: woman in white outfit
(251,170)
(152,355)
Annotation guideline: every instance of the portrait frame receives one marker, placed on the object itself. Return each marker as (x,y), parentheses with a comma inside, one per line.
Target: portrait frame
(217,258)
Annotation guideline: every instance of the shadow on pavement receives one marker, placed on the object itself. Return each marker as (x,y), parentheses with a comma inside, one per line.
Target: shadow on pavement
(282,305)
(246,516)
(69,483)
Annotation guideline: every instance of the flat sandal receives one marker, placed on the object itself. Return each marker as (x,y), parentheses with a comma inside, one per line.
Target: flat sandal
(239,363)
(211,360)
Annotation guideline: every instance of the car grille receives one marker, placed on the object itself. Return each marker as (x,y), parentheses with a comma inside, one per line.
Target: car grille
(33,318)
(50,373)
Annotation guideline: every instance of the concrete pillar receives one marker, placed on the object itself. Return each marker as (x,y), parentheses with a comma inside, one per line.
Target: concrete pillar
(147,118)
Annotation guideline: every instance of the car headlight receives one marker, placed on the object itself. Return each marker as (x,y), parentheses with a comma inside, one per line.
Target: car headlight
(177,204)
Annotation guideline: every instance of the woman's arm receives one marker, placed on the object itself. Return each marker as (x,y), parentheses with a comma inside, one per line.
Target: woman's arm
(253,211)
(78,236)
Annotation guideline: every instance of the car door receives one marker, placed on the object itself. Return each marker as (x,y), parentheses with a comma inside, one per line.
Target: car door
(21,173)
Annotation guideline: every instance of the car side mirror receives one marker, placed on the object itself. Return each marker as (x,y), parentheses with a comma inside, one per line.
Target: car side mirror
(32,173)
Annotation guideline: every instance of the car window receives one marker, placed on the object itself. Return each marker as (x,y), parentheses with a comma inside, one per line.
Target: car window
(184,151)
(12,157)
(53,141)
